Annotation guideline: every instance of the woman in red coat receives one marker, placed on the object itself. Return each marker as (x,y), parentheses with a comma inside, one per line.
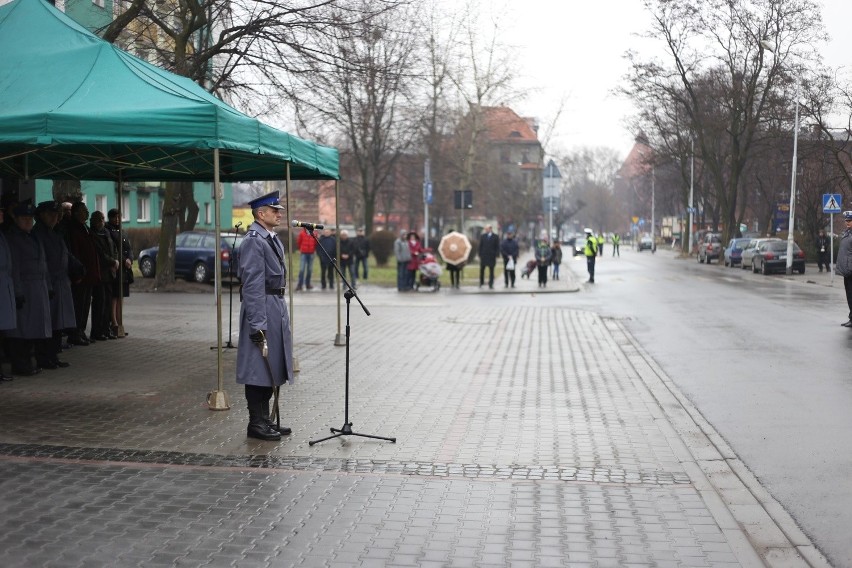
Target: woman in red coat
(415,248)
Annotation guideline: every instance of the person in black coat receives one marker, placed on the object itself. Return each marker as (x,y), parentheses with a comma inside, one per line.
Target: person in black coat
(489,247)
(509,250)
(823,249)
(329,243)
(347,257)
(102,292)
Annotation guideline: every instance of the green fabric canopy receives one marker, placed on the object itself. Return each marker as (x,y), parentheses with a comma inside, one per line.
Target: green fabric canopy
(73,106)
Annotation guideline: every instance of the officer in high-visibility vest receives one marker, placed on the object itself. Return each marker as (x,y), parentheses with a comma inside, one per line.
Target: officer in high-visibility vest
(616,244)
(601,241)
(591,251)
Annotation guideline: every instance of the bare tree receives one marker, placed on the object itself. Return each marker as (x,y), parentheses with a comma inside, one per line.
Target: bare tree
(244,51)
(588,179)
(721,78)
(359,94)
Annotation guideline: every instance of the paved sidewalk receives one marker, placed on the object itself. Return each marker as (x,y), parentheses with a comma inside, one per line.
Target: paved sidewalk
(527,435)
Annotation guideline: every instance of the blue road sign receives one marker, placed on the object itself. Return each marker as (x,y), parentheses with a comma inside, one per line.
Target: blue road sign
(427,192)
(831,203)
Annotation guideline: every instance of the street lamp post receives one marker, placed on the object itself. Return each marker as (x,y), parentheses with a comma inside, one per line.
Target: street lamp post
(768,46)
(653,209)
(691,194)
(792,222)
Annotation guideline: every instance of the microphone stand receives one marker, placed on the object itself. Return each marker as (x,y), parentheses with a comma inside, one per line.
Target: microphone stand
(230,345)
(346,429)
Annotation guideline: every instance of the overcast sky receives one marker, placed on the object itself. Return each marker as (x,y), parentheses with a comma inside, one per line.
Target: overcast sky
(574,50)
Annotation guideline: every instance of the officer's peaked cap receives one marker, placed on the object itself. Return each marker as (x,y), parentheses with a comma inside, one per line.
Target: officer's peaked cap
(268,200)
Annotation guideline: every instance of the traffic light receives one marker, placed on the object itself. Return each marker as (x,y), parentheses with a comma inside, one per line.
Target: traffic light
(463,199)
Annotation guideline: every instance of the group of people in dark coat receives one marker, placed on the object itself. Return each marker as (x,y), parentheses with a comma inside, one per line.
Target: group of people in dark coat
(53,270)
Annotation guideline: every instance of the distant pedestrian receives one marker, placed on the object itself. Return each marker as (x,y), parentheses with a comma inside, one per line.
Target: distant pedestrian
(823,250)
(600,242)
(307,247)
(328,242)
(489,247)
(361,246)
(543,256)
(403,255)
(556,258)
(414,249)
(264,354)
(843,263)
(455,274)
(347,258)
(616,245)
(509,250)
(591,251)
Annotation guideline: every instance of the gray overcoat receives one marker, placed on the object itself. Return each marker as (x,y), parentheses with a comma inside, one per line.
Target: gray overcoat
(32,282)
(62,303)
(7,287)
(261,270)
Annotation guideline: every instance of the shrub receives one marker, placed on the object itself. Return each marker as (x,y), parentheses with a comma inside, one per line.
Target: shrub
(381,243)
(141,239)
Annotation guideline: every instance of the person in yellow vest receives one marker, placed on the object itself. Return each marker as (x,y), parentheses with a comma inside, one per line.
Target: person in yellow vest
(616,245)
(591,251)
(600,243)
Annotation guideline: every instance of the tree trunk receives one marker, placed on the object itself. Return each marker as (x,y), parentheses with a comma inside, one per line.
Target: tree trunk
(168,231)
(188,215)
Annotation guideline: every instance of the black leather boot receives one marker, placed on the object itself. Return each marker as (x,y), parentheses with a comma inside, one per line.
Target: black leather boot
(283,430)
(257,426)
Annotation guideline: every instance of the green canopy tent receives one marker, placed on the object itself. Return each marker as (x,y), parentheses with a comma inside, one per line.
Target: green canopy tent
(73,106)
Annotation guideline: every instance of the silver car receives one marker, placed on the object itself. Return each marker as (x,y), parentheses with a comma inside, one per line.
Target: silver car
(751,248)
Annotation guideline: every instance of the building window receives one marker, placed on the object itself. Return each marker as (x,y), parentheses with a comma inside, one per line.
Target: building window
(101,203)
(143,209)
(207,216)
(125,208)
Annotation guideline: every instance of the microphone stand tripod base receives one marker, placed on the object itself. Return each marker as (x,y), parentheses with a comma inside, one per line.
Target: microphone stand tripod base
(218,400)
(346,430)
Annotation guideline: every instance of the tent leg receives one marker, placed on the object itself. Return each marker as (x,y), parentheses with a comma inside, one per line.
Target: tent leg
(218,399)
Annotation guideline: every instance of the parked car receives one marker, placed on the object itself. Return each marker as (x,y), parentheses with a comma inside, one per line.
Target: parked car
(733,254)
(772,257)
(646,243)
(194,255)
(751,248)
(709,248)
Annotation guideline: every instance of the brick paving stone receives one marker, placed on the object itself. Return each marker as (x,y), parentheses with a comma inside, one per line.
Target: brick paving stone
(513,449)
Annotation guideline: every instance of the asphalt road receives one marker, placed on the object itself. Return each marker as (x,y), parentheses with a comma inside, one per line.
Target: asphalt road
(765,361)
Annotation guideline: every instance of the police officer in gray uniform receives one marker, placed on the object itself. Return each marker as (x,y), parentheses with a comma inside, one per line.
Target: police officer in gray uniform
(264,318)
(33,290)
(61,302)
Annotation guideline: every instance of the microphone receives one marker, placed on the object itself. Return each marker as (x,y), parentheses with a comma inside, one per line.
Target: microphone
(238,225)
(308,226)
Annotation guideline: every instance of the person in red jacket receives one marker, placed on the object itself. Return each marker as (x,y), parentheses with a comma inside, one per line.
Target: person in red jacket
(307,247)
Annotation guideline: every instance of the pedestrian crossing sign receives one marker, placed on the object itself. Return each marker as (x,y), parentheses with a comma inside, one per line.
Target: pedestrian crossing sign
(831,203)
